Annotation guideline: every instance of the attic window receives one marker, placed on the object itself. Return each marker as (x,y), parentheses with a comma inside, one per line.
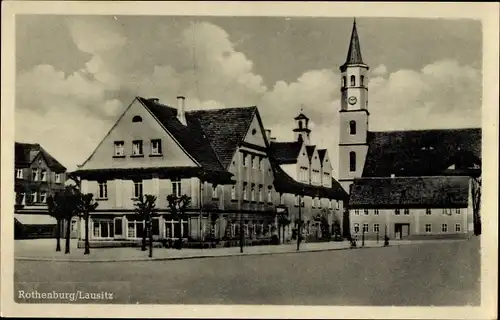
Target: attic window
(254,131)
(137,119)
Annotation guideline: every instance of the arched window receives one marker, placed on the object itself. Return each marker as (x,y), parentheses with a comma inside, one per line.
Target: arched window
(352,127)
(362,80)
(300,124)
(344,82)
(352,161)
(353,81)
(137,119)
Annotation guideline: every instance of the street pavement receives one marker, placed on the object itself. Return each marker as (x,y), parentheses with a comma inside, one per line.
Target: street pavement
(446,273)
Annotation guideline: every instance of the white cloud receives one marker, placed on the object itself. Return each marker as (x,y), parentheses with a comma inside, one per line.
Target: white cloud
(380,70)
(443,94)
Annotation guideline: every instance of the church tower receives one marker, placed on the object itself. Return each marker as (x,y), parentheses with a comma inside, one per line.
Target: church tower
(301,131)
(354,114)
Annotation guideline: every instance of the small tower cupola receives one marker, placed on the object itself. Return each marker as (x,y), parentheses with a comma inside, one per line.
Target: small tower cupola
(302,131)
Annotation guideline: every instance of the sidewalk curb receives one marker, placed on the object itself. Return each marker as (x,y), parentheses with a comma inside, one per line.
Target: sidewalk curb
(205,256)
(188,257)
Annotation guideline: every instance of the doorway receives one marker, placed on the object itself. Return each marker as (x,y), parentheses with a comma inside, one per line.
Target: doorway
(401,230)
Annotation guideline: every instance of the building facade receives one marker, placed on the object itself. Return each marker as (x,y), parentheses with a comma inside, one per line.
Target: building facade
(309,169)
(404,183)
(219,158)
(37,175)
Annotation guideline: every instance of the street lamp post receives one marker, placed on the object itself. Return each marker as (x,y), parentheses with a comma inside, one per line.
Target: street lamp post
(242,237)
(363,237)
(299,225)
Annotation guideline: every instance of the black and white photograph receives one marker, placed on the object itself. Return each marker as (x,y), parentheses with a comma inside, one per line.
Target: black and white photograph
(250,159)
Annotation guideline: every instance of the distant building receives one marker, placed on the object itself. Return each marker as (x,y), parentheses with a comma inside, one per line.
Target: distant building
(309,170)
(37,175)
(406,183)
(220,158)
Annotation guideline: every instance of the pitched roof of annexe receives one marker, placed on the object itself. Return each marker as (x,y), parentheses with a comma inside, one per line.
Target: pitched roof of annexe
(283,183)
(224,128)
(25,153)
(285,152)
(410,192)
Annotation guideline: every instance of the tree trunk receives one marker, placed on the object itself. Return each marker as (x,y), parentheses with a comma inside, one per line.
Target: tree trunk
(87,243)
(150,232)
(144,234)
(68,234)
(58,235)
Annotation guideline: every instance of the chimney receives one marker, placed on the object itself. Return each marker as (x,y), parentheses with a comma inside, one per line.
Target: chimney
(154,100)
(268,134)
(181,112)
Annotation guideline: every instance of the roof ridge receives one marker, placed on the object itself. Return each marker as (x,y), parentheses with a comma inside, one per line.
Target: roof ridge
(219,109)
(407,177)
(433,129)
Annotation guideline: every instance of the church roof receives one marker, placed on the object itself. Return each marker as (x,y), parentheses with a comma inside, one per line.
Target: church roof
(354,52)
(410,192)
(421,152)
(285,152)
(25,153)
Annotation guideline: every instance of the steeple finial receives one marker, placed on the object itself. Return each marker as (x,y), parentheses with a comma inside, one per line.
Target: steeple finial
(354,52)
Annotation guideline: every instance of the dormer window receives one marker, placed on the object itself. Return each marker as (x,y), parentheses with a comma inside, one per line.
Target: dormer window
(137,119)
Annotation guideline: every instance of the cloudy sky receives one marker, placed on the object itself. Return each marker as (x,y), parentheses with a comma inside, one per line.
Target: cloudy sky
(76,74)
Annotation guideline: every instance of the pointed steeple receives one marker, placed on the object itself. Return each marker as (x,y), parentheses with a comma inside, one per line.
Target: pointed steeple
(354,52)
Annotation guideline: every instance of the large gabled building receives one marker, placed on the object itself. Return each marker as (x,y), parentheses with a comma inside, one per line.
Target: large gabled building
(407,184)
(37,175)
(219,158)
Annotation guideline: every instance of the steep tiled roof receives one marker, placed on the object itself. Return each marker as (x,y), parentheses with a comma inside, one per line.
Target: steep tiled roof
(310,151)
(354,52)
(321,154)
(285,152)
(421,152)
(283,183)
(190,137)
(25,153)
(410,192)
(224,128)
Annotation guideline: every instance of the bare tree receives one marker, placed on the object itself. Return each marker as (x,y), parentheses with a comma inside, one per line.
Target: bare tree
(146,208)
